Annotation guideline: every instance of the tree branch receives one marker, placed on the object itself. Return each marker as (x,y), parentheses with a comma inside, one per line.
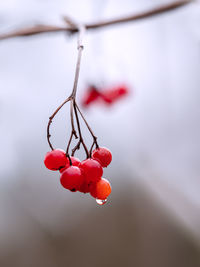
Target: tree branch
(38,29)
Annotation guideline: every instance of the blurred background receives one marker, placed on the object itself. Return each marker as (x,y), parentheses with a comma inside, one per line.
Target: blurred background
(152,217)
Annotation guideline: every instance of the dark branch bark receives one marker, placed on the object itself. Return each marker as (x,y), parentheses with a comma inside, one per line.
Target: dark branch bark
(38,29)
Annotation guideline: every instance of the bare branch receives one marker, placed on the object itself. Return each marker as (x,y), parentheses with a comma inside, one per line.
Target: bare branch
(39,29)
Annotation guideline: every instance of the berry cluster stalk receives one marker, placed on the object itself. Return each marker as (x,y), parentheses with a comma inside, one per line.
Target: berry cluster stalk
(74,109)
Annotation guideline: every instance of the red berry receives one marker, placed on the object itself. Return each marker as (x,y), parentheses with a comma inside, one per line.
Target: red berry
(84,188)
(91,95)
(72,178)
(122,90)
(92,170)
(112,95)
(55,159)
(101,189)
(103,155)
(75,162)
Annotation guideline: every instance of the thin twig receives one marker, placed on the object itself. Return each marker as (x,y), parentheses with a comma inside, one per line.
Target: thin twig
(80,50)
(81,141)
(69,143)
(77,147)
(89,128)
(72,120)
(51,119)
(90,152)
(70,22)
(38,29)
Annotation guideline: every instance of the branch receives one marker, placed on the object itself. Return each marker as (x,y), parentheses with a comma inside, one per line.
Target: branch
(38,29)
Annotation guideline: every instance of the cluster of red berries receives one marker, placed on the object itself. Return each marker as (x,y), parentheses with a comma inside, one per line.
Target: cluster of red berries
(107,96)
(85,176)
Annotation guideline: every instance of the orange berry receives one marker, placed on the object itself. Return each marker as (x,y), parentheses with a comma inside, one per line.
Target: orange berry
(101,189)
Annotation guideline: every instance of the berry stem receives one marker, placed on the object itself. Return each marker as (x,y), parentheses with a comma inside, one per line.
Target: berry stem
(51,119)
(72,120)
(70,140)
(80,50)
(73,131)
(74,107)
(89,128)
(81,141)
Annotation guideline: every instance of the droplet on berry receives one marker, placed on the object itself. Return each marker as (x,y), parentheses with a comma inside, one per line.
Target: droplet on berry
(55,159)
(101,189)
(72,178)
(92,170)
(103,155)
(101,201)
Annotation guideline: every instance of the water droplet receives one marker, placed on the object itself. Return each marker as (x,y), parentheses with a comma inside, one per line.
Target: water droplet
(101,201)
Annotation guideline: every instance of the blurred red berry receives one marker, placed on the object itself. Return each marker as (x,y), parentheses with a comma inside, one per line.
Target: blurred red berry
(112,95)
(92,170)
(91,95)
(103,155)
(72,178)
(109,96)
(123,90)
(55,159)
(75,162)
(101,189)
